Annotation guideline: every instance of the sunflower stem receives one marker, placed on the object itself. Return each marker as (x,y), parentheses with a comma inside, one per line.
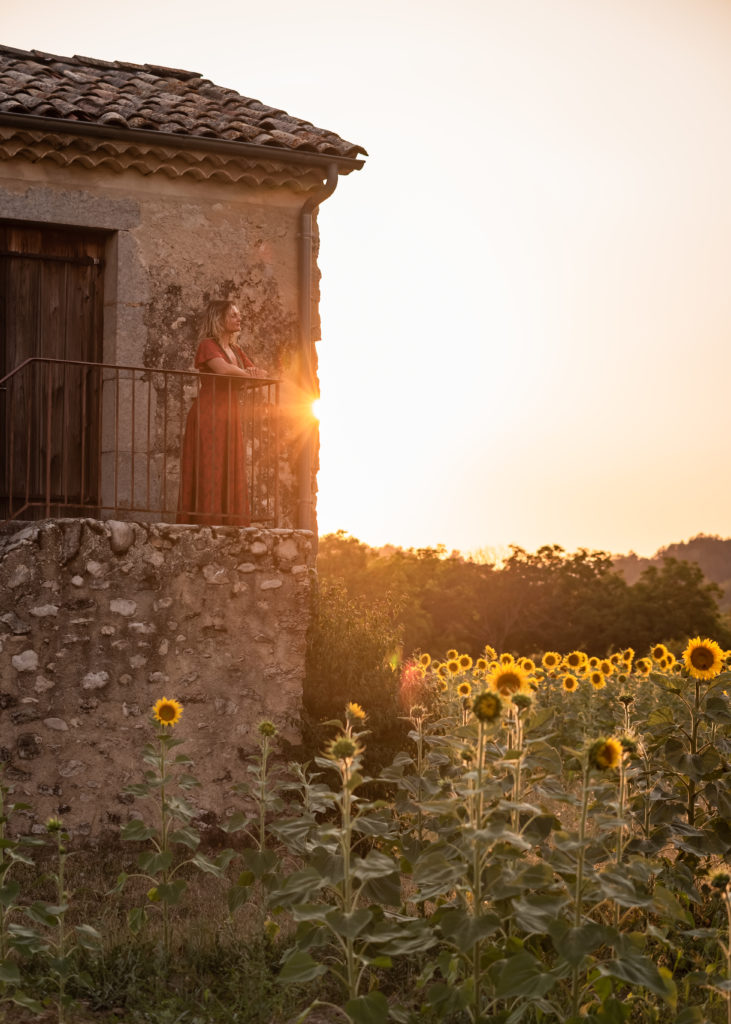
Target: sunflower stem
(579,884)
(477,875)
(164,827)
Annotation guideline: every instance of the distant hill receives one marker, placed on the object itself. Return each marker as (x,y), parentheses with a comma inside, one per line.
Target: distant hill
(712,554)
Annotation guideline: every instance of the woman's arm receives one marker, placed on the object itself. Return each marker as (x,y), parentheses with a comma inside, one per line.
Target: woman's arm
(221,365)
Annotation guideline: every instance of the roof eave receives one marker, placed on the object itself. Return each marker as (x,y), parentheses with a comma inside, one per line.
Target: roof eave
(345,164)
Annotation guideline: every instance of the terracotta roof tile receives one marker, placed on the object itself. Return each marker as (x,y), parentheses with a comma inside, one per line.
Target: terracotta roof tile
(149,97)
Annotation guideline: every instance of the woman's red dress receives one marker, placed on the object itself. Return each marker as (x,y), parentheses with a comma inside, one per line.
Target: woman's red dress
(213,488)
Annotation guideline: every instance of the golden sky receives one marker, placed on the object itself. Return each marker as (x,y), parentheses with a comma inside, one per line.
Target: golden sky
(525,300)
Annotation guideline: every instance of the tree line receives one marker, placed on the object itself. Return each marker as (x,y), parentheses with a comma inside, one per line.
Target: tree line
(531,602)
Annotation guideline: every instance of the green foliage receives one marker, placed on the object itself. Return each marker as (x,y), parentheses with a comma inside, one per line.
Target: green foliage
(352,649)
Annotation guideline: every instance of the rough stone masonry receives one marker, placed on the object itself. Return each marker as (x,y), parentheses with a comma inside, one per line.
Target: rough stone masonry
(99,619)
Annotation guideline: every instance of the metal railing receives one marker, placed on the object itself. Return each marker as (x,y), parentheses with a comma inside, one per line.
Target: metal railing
(104,441)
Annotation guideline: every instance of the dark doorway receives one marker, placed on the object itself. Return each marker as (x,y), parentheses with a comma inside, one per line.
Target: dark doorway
(51,308)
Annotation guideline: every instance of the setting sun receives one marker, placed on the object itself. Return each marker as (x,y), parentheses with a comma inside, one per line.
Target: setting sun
(316,408)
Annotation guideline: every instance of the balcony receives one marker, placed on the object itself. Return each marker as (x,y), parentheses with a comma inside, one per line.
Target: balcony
(102,441)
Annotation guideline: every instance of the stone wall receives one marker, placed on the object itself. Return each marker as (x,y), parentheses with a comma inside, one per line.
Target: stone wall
(100,619)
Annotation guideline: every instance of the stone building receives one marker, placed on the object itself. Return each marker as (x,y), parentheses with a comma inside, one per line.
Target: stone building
(130,195)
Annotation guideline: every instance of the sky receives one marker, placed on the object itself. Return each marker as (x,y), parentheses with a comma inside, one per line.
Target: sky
(526,294)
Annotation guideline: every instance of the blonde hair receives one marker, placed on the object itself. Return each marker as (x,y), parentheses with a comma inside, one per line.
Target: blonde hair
(213,317)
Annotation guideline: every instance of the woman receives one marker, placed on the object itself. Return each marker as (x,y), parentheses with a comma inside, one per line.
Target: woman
(212,466)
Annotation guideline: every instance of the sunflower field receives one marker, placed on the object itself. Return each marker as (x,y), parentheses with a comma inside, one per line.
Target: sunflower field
(553,845)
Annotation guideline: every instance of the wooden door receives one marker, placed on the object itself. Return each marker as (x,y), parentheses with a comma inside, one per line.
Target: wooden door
(51,306)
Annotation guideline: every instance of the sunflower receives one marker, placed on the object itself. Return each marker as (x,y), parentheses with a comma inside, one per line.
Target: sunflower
(658,652)
(528,664)
(721,878)
(451,654)
(343,748)
(453,666)
(551,660)
(616,659)
(570,683)
(593,663)
(464,689)
(703,658)
(425,659)
(443,670)
(487,706)
(508,680)
(606,667)
(522,701)
(643,666)
(167,711)
(442,685)
(605,754)
(672,661)
(490,652)
(574,660)
(465,662)
(597,679)
(481,665)
(354,712)
(628,655)
(506,659)
(267,729)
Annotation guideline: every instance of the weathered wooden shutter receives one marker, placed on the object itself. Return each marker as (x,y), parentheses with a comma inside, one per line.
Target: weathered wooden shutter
(51,306)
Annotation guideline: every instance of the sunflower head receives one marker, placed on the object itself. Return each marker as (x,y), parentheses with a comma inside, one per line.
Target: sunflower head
(658,652)
(528,664)
(442,685)
(597,679)
(443,671)
(703,658)
(425,659)
(551,660)
(267,728)
(643,666)
(354,713)
(606,667)
(605,754)
(487,706)
(522,701)
(465,662)
(343,748)
(464,689)
(570,683)
(506,658)
(167,711)
(507,680)
(574,660)
(452,653)
(490,652)
(721,878)
(481,665)
(453,666)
